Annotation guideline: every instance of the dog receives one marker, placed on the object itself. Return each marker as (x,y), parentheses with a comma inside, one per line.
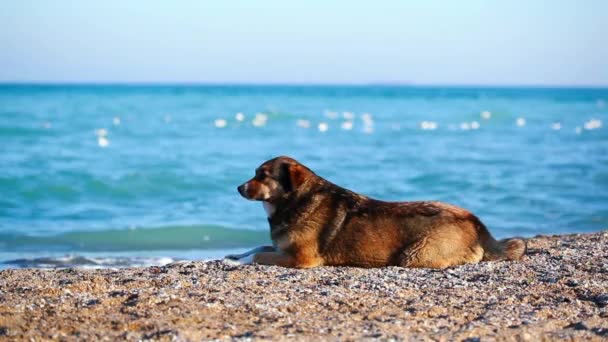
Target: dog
(316,223)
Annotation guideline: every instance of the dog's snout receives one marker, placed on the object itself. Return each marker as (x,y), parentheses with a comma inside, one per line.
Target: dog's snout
(243,190)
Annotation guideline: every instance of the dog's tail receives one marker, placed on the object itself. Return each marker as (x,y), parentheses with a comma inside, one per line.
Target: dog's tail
(506,249)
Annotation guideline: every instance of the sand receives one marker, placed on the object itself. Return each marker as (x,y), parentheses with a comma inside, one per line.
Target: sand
(558,291)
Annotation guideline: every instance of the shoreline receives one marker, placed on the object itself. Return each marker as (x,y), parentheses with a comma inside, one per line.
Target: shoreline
(558,291)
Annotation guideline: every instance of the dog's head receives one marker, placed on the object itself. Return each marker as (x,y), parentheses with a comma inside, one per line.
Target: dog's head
(275,179)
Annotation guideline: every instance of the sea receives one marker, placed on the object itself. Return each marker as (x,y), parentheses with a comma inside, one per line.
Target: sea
(135,175)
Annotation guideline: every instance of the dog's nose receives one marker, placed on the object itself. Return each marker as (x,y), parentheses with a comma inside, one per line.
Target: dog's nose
(240,189)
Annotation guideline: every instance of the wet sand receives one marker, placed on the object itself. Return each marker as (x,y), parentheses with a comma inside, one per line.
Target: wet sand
(558,291)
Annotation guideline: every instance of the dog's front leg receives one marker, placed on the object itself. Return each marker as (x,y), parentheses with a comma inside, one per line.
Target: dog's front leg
(274,258)
(283,259)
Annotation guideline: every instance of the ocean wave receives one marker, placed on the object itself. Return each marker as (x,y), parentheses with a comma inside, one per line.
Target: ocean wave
(23,132)
(87,262)
(68,185)
(139,239)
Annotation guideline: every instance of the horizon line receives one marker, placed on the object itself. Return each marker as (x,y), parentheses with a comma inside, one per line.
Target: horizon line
(297,84)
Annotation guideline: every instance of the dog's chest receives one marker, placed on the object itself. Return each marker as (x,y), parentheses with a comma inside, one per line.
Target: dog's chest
(269,209)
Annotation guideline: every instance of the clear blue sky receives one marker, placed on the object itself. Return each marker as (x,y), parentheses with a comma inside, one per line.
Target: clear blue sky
(517,42)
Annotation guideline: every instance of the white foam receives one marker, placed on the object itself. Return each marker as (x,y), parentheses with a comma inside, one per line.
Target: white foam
(347,125)
(164,261)
(239,117)
(348,116)
(368,123)
(486,115)
(475,125)
(103,142)
(593,124)
(90,262)
(323,127)
(331,115)
(556,126)
(428,125)
(260,119)
(116,121)
(220,123)
(101,132)
(521,122)
(303,123)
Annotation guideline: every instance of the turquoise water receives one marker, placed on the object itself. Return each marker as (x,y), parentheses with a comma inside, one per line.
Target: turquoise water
(119,175)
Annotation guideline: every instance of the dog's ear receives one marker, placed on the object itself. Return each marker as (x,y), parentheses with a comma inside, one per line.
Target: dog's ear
(285,177)
(292,175)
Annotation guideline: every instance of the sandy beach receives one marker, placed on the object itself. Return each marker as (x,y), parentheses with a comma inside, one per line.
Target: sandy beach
(559,291)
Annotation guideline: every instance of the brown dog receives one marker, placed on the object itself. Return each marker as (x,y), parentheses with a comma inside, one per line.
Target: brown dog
(314,222)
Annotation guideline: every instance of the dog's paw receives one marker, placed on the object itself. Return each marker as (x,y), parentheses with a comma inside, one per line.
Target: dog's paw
(234,260)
